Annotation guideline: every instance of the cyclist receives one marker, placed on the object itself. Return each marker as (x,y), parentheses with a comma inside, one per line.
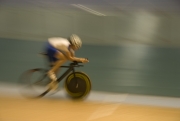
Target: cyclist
(60,50)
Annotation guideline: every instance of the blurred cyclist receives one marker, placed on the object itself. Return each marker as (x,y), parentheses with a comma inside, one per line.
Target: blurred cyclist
(60,50)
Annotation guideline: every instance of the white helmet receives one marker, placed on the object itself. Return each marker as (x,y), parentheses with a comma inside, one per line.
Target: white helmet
(76,41)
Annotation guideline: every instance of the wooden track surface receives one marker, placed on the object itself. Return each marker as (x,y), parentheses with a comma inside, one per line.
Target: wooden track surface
(19,109)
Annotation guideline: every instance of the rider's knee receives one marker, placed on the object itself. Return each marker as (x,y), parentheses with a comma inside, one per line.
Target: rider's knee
(61,56)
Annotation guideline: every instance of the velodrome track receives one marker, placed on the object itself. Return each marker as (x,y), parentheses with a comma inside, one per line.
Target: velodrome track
(98,106)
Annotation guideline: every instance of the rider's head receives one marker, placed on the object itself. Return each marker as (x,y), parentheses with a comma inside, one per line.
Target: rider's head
(75,41)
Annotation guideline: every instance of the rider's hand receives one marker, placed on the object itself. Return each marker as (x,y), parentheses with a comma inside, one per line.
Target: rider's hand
(84,60)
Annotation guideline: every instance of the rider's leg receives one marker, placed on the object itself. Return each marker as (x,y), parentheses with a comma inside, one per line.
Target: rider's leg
(61,59)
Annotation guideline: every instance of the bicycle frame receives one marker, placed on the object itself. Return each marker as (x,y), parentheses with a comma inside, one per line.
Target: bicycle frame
(70,68)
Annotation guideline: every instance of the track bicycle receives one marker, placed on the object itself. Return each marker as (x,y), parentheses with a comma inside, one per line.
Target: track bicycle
(35,82)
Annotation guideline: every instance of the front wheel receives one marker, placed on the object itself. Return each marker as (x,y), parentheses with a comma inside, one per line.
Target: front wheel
(78,85)
(34,83)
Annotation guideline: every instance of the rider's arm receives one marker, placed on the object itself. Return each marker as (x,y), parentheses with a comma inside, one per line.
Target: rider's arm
(72,57)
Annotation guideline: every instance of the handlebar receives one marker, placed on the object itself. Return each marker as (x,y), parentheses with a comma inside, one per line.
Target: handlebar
(74,64)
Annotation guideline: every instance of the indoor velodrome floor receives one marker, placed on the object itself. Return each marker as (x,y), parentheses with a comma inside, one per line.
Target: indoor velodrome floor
(98,106)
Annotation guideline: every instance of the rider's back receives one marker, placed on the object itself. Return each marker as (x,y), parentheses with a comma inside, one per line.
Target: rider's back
(59,43)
